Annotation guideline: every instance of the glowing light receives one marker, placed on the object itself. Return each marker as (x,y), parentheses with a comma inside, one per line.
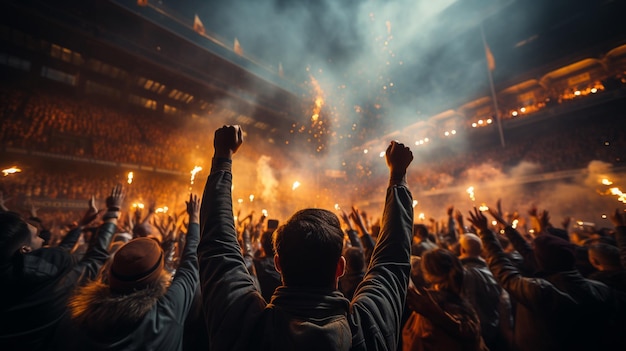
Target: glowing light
(421,216)
(365,151)
(264,212)
(426,140)
(415,203)
(480,121)
(514,113)
(606,182)
(594,90)
(470,192)
(483,207)
(474,125)
(240,201)
(523,109)
(489,121)
(453,132)
(514,224)
(603,216)
(11,170)
(251,197)
(493,223)
(577,93)
(193,172)
(337,207)
(138,205)
(621,197)
(382,154)
(163,209)
(130,177)
(446,133)
(295,185)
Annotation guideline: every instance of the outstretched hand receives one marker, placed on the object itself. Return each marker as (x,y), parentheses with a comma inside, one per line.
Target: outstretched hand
(478,220)
(91,213)
(193,208)
(398,158)
(115,200)
(227,141)
(618,218)
(497,214)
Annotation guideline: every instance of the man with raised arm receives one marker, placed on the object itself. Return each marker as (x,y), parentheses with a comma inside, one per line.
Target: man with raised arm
(306,312)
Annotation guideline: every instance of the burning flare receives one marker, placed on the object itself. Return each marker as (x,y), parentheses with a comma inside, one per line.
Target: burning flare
(130,178)
(470,191)
(193,172)
(11,170)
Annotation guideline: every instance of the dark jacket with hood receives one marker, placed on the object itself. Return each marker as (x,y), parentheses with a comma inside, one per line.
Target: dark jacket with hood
(37,285)
(558,311)
(238,318)
(147,319)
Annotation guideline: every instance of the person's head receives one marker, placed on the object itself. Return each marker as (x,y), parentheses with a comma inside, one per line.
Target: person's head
(554,254)
(604,257)
(443,270)
(17,236)
(420,232)
(470,245)
(137,265)
(308,249)
(266,243)
(355,259)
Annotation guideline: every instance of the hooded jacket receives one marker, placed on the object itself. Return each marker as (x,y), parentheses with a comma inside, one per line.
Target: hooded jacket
(147,319)
(238,318)
(36,286)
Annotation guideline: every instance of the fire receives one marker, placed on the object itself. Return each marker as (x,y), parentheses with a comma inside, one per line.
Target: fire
(193,172)
(319,100)
(163,209)
(11,170)
(251,197)
(130,177)
(295,185)
(337,207)
(621,197)
(421,216)
(264,212)
(483,207)
(470,191)
(138,205)
(605,181)
(415,202)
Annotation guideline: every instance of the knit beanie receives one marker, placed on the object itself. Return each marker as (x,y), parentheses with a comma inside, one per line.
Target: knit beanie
(136,265)
(554,254)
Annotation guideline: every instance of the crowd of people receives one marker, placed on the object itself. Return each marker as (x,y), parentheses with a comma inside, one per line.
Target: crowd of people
(205,279)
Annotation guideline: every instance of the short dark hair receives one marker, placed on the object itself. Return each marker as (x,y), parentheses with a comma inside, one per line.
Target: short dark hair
(606,254)
(355,259)
(14,232)
(309,245)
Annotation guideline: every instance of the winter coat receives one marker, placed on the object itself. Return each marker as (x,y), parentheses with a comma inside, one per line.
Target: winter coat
(36,287)
(147,319)
(238,318)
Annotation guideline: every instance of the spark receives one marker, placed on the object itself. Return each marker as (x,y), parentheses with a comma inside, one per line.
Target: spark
(295,185)
(470,191)
(605,181)
(130,177)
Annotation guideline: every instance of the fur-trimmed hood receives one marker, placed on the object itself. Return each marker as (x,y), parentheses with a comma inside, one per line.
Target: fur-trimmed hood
(97,310)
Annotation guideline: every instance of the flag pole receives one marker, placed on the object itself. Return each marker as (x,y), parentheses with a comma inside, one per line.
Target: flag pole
(490,67)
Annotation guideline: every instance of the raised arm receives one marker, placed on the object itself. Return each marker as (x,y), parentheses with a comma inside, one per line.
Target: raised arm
(228,292)
(379,301)
(182,290)
(72,236)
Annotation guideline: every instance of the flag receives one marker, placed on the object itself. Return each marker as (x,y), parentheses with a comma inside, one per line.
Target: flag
(281,73)
(198,26)
(237,48)
(491,62)
(142,2)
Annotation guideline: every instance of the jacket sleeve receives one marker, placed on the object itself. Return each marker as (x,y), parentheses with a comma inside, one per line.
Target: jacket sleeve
(378,303)
(230,300)
(534,293)
(522,247)
(97,252)
(71,238)
(180,294)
